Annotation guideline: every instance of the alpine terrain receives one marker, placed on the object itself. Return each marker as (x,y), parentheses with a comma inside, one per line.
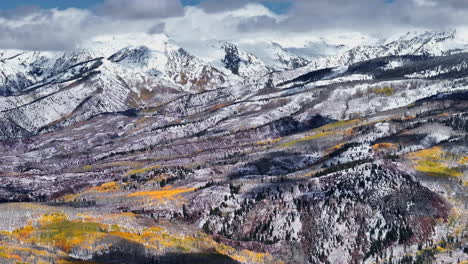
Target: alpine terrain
(137,149)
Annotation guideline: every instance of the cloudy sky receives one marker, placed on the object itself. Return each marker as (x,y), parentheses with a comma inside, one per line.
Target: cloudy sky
(65,24)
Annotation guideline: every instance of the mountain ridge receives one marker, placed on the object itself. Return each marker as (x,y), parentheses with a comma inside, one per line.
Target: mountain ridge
(143,150)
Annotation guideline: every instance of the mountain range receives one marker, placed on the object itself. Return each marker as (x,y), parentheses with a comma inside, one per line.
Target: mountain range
(140,149)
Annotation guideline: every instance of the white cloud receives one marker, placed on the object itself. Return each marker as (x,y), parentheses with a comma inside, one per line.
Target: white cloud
(157,29)
(199,25)
(140,9)
(425,2)
(43,29)
(241,21)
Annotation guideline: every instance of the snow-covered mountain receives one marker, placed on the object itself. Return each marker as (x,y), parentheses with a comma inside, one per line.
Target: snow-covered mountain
(113,74)
(433,43)
(274,55)
(219,64)
(214,63)
(247,60)
(153,55)
(143,149)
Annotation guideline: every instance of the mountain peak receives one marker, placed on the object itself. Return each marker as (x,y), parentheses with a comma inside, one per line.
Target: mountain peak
(422,35)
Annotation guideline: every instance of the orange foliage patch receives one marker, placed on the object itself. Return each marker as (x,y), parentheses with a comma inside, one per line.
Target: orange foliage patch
(384,146)
(164,194)
(336,147)
(443,115)
(349,132)
(24,232)
(409,117)
(464,160)
(216,107)
(58,231)
(107,187)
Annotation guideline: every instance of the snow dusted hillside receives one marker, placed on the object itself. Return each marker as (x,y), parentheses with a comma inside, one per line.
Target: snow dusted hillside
(246,60)
(153,55)
(49,90)
(213,64)
(256,152)
(274,55)
(432,43)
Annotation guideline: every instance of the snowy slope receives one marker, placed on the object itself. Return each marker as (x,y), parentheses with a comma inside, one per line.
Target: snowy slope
(274,55)
(155,55)
(213,64)
(112,74)
(415,43)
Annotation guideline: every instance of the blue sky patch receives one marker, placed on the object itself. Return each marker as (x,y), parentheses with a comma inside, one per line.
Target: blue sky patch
(277,7)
